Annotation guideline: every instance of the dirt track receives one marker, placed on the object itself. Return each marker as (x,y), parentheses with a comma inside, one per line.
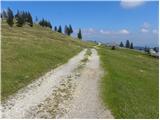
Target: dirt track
(69,91)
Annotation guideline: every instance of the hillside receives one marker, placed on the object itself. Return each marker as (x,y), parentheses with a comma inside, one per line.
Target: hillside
(129,87)
(130,84)
(29,52)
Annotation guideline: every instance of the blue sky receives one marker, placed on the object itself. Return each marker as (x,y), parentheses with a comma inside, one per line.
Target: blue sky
(107,21)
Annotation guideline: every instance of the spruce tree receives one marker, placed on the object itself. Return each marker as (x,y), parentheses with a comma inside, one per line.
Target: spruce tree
(131,46)
(121,44)
(127,44)
(30,21)
(69,32)
(10,17)
(24,16)
(20,21)
(66,30)
(79,35)
(42,22)
(55,28)
(60,29)
(49,24)
(70,29)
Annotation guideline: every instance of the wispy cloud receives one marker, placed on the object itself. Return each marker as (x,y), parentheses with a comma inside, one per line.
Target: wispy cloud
(144,30)
(124,31)
(155,31)
(86,31)
(131,3)
(104,32)
(92,31)
(146,27)
(149,36)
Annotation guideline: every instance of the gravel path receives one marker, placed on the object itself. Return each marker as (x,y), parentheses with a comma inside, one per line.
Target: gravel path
(69,91)
(86,102)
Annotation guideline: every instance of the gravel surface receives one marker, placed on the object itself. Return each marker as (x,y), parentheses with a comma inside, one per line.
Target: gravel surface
(69,91)
(86,101)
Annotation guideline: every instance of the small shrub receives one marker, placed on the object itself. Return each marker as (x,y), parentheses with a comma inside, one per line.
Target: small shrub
(113,48)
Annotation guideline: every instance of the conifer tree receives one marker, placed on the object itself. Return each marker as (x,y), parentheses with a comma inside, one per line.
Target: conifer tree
(45,23)
(10,17)
(70,29)
(20,21)
(131,46)
(55,28)
(79,35)
(49,24)
(30,21)
(67,30)
(42,22)
(121,44)
(60,29)
(127,44)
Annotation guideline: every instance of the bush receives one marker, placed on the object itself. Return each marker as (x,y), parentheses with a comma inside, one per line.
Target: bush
(113,48)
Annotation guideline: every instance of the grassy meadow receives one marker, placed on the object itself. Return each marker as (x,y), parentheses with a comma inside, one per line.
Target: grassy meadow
(130,84)
(28,53)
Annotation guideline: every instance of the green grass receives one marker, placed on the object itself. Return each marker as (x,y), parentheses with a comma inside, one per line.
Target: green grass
(130,84)
(28,53)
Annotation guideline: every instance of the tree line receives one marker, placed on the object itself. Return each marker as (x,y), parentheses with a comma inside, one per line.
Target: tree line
(22,18)
(146,49)
(45,23)
(130,45)
(127,44)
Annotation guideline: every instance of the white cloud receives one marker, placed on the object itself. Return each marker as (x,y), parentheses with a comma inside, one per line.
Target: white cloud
(92,31)
(144,30)
(87,31)
(131,3)
(124,31)
(145,27)
(104,32)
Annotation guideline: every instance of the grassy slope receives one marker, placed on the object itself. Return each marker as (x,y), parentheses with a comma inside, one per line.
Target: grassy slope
(130,85)
(28,53)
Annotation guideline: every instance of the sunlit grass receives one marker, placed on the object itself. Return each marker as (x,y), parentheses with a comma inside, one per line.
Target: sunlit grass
(130,85)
